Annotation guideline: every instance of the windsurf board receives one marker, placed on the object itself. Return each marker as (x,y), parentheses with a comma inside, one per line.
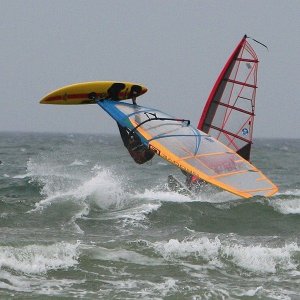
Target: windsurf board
(89,92)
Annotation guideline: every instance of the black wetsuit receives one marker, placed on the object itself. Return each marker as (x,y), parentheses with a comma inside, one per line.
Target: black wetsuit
(139,152)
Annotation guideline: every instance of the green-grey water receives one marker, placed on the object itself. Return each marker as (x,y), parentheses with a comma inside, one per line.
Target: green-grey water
(79,219)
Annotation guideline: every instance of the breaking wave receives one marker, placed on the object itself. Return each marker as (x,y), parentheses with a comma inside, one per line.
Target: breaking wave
(217,252)
(37,259)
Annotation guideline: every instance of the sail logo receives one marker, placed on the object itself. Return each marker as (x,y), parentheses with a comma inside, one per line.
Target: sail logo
(155,150)
(245,131)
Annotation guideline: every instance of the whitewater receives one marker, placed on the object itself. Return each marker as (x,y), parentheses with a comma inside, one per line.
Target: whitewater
(79,219)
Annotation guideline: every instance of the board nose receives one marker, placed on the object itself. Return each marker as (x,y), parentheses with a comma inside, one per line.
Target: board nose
(43,101)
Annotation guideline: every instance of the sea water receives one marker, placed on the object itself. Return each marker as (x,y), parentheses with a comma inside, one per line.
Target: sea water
(79,219)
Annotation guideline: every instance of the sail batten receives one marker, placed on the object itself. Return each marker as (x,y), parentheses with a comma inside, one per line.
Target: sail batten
(237,108)
(232,134)
(247,60)
(241,83)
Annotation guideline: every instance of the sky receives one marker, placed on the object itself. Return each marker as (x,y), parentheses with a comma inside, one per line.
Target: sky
(175,48)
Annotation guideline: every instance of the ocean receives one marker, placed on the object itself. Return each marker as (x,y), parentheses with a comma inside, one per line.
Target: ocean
(79,219)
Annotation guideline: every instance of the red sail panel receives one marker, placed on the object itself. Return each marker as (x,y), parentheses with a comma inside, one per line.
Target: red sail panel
(228,114)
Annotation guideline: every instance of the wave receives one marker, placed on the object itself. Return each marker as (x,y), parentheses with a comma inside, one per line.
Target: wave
(24,269)
(152,194)
(95,188)
(217,252)
(100,193)
(60,184)
(287,202)
(37,259)
(130,256)
(161,193)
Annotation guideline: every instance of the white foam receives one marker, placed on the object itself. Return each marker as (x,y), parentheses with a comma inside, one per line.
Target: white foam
(292,192)
(146,289)
(287,206)
(53,178)
(59,196)
(106,188)
(78,163)
(36,283)
(121,284)
(252,292)
(72,223)
(21,176)
(165,196)
(59,184)
(12,282)
(164,288)
(133,216)
(124,255)
(261,259)
(35,259)
(100,186)
(200,247)
(4,215)
(213,196)
(137,216)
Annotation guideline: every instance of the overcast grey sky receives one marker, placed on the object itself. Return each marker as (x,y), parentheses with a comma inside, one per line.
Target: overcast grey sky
(175,48)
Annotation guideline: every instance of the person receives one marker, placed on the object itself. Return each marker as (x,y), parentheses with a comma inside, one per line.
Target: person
(193,182)
(139,152)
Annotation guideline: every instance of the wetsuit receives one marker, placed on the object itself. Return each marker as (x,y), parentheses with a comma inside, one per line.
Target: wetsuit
(139,152)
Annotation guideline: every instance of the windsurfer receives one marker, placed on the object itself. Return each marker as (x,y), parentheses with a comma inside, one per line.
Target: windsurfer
(139,152)
(190,179)
(192,182)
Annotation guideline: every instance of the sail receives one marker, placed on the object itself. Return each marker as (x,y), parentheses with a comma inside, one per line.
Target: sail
(228,114)
(190,149)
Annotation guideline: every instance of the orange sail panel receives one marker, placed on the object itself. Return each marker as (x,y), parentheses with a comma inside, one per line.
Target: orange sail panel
(228,114)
